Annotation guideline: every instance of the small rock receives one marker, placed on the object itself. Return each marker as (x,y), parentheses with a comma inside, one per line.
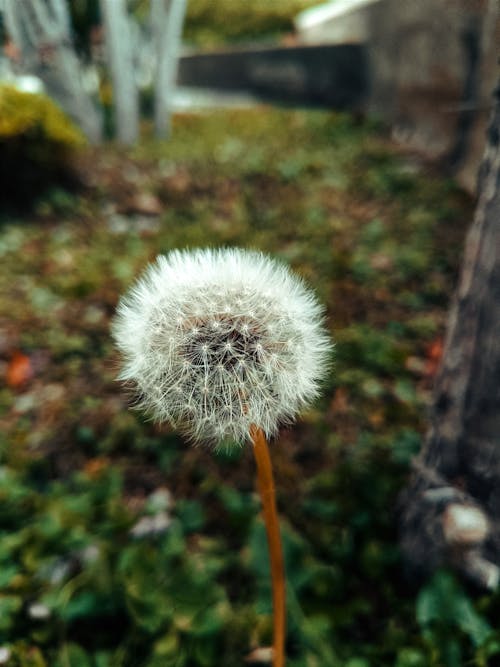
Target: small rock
(159,501)
(25,403)
(38,611)
(5,654)
(262,654)
(381,262)
(53,392)
(89,554)
(151,525)
(93,315)
(118,224)
(145,203)
(147,225)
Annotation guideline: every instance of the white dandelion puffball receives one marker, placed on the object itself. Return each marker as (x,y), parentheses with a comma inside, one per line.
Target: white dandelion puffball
(215,341)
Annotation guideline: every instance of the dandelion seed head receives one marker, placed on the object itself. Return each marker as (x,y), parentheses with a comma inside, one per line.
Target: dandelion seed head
(215,341)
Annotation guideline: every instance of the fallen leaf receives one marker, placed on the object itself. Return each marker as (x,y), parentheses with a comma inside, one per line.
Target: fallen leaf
(381,262)
(340,402)
(94,467)
(434,354)
(376,418)
(416,365)
(19,370)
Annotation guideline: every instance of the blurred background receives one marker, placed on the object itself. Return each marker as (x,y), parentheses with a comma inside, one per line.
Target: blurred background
(343,138)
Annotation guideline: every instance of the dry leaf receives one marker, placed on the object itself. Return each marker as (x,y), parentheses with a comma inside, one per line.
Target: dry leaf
(19,370)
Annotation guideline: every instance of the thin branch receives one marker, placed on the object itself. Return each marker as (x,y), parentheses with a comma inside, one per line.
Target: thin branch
(46,24)
(61,14)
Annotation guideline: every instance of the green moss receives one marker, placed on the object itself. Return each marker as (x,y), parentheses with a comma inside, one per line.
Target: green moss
(37,142)
(33,113)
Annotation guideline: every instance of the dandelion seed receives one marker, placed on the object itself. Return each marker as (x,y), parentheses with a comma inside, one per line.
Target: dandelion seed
(177,330)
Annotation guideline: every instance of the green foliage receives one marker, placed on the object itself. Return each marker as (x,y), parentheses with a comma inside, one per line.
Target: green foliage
(211,23)
(446,614)
(207,23)
(77,557)
(37,143)
(134,576)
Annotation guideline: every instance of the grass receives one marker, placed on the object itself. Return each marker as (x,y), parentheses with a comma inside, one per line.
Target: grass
(123,547)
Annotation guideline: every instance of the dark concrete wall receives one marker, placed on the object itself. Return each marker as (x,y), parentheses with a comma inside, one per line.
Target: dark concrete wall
(335,76)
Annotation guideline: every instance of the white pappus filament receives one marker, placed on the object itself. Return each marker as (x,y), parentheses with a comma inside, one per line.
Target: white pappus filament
(215,341)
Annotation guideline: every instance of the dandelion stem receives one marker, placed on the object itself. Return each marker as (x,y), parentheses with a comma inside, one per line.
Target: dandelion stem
(268,499)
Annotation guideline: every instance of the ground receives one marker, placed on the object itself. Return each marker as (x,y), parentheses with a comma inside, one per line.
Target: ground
(122,546)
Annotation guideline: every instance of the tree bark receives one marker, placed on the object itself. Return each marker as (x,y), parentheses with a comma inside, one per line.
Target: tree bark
(121,64)
(41,31)
(167,18)
(451,510)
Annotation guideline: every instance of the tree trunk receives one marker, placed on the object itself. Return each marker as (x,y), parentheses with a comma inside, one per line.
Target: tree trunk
(451,511)
(41,31)
(121,64)
(167,17)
